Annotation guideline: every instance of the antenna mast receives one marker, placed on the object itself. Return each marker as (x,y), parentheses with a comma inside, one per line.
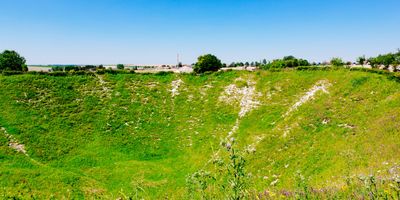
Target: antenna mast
(177,60)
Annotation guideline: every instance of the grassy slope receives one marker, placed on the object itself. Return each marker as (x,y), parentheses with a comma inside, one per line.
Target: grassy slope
(89,138)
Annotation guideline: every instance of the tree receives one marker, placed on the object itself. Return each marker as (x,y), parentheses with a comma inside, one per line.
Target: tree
(302,62)
(361,60)
(371,61)
(387,60)
(11,60)
(247,64)
(120,66)
(180,65)
(396,63)
(337,62)
(207,63)
(264,61)
(289,58)
(287,61)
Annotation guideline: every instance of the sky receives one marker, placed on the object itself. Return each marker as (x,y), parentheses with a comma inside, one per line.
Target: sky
(155,31)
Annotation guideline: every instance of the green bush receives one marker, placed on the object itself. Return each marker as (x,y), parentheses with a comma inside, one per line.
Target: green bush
(120,66)
(57,73)
(163,73)
(207,63)
(12,61)
(9,73)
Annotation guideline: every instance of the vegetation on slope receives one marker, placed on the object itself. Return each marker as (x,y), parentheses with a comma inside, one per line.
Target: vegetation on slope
(131,135)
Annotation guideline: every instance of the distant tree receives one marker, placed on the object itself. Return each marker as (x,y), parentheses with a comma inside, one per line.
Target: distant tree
(89,67)
(247,64)
(233,64)
(101,67)
(264,61)
(180,64)
(396,62)
(361,60)
(373,62)
(289,58)
(11,60)
(207,63)
(120,66)
(388,60)
(337,62)
(224,65)
(385,60)
(302,62)
(288,61)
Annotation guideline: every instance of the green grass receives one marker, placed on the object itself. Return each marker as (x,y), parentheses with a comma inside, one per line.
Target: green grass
(129,137)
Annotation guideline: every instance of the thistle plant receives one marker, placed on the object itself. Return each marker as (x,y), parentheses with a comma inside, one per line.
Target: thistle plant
(229,176)
(237,177)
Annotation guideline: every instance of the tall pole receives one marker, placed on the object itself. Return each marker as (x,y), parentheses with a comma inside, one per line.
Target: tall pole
(177,60)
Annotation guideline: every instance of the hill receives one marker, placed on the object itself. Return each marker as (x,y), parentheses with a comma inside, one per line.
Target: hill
(143,135)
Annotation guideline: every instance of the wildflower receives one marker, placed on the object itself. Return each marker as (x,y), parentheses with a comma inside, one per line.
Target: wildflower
(287,165)
(273,183)
(228,146)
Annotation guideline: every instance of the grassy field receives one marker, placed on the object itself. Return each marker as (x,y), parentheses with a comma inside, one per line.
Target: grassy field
(141,135)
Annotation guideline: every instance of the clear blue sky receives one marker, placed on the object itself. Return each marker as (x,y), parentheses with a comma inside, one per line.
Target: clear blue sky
(154,31)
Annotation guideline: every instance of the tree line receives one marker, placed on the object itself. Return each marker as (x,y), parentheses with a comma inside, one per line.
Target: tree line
(12,61)
(383,61)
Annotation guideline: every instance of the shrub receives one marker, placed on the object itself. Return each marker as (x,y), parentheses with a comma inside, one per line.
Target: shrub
(32,72)
(57,73)
(9,73)
(163,73)
(120,66)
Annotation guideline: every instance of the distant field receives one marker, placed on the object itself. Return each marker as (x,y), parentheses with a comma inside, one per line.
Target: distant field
(142,135)
(39,68)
